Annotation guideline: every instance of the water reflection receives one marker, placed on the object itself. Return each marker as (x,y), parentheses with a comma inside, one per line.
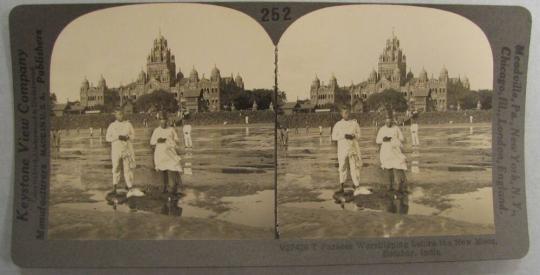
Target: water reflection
(172,208)
(407,204)
(81,179)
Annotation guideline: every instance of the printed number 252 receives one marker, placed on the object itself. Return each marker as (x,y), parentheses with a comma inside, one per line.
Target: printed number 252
(275,14)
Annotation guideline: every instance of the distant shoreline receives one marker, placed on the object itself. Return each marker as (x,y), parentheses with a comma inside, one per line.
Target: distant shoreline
(296,120)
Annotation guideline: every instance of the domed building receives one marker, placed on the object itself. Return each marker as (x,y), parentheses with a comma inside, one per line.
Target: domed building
(97,97)
(423,93)
(326,96)
(193,93)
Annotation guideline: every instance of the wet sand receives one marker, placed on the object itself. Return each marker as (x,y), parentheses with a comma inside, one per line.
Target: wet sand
(229,194)
(449,178)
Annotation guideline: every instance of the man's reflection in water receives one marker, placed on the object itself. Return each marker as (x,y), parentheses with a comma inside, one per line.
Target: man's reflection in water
(398,204)
(392,203)
(115,199)
(172,208)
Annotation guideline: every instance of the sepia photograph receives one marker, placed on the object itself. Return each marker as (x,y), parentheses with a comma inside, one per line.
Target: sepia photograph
(384,129)
(162,126)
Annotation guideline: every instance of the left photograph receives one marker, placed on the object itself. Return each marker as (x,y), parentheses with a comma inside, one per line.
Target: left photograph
(162,126)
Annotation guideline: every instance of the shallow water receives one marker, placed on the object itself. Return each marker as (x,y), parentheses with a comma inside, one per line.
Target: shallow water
(449,175)
(480,200)
(231,179)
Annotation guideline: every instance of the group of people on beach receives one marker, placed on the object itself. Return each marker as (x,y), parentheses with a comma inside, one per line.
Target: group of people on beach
(346,132)
(389,140)
(167,160)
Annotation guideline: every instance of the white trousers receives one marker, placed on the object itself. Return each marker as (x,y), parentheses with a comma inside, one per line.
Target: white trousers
(348,165)
(187,140)
(117,165)
(415,140)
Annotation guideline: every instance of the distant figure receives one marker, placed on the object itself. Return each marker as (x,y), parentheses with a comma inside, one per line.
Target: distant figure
(284,135)
(166,158)
(347,134)
(187,135)
(470,119)
(56,139)
(296,129)
(120,134)
(91,130)
(414,133)
(246,119)
(320,130)
(393,161)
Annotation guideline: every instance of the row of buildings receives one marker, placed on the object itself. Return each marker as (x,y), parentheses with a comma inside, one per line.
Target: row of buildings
(423,93)
(193,93)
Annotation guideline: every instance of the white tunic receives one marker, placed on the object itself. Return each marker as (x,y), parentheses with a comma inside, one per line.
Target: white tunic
(165,156)
(414,128)
(346,147)
(186,129)
(390,155)
(120,148)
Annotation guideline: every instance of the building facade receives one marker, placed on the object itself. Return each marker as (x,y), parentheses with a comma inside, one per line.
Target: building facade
(423,93)
(194,93)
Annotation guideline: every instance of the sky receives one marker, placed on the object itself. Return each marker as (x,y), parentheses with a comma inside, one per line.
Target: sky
(347,41)
(115,42)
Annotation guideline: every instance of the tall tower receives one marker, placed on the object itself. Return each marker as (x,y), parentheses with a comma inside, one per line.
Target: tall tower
(85,86)
(392,58)
(314,90)
(160,63)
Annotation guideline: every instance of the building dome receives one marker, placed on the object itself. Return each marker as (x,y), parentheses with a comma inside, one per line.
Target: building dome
(316,82)
(333,80)
(239,81)
(423,75)
(444,71)
(215,75)
(179,75)
(443,74)
(466,83)
(102,82)
(238,78)
(194,75)
(410,75)
(85,83)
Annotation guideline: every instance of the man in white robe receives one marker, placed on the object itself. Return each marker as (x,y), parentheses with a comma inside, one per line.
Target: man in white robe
(347,134)
(186,129)
(414,133)
(393,161)
(166,158)
(120,134)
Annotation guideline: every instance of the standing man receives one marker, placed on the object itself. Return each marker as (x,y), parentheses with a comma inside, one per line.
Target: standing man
(393,161)
(414,133)
(186,129)
(166,158)
(347,134)
(120,134)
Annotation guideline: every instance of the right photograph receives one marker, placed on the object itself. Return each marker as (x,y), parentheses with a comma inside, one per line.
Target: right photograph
(385,127)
